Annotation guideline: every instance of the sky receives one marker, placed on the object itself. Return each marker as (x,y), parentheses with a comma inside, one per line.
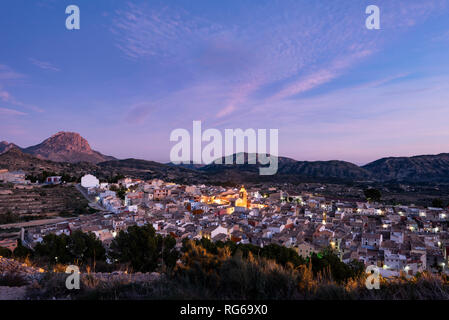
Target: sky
(136,70)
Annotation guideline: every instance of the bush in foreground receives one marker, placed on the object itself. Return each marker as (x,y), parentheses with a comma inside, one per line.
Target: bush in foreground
(203,275)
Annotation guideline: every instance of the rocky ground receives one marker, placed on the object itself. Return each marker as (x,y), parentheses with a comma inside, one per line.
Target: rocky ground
(13,293)
(18,277)
(10,266)
(17,272)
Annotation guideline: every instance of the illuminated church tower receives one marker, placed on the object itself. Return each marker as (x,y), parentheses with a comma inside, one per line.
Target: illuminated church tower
(242,201)
(324,218)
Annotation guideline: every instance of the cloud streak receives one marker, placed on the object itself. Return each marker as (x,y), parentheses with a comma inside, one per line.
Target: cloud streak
(11,112)
(322,76)
(44,65)
(6,73)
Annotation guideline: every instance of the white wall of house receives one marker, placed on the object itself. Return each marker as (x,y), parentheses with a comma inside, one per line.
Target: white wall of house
(89,181)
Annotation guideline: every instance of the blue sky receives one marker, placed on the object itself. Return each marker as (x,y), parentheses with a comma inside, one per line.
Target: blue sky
(136,70)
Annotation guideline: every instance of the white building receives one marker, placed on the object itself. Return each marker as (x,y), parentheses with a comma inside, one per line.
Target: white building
(219,230)
(395,262)
(89,181)
(397,236)
(17,177)
(371,240)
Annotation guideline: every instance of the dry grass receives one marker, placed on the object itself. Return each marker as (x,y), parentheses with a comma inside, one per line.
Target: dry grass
(205,276)
(259,280)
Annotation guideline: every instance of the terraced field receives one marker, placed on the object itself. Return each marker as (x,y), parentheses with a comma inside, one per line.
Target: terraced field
(39,202)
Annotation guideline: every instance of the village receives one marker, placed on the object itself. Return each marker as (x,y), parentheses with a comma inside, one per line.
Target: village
(397,239)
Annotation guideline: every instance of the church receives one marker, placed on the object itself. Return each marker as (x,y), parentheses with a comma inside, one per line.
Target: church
(242,201)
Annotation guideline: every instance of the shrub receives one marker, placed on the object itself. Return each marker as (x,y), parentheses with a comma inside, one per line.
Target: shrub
(143,249)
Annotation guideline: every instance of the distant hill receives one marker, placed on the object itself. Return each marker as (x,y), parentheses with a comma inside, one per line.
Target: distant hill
(417,169)
(190,165)
(15,159)
(150,169)
(289,170)
(325,169)
(426,168)
(6,146)
(66,147)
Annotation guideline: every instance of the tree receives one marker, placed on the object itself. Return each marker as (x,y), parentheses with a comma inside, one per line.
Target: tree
(372,194)
(143,249)
(86,247)
(121,192)
(4,252)
(168,253)
(116,178)
(78,247)
(21,251)
(340,271)
(54,248)
(68,178)
(437,203)
(280,254)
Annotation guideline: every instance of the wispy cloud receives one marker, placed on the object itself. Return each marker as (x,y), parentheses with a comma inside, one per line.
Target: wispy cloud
(239,95)
(139,113)
(226,110)
(322,76)
(7,97)
(443,37)
(261,57)
(44,65)
(6,73)
(9,77)
(144,32)
(11,112)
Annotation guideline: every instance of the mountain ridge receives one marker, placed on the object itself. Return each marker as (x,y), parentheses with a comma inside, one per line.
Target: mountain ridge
(61,147)
(70,147)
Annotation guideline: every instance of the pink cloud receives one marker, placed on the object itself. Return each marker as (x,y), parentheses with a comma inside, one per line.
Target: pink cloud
(323,76)
(226,111)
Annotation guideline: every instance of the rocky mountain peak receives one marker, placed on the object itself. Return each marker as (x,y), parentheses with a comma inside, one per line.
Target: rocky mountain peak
(66,147)
(69,141)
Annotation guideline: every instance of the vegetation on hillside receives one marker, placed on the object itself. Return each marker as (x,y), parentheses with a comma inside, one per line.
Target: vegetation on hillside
(202,275)
(206,270)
